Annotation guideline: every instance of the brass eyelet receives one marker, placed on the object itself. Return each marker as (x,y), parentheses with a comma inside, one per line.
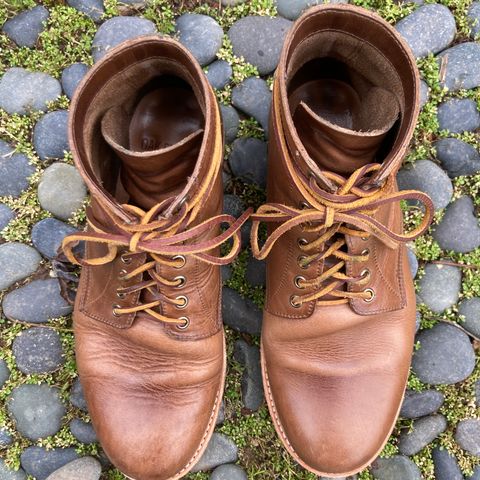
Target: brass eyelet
(185,301)
(297,281)
(294,302)
(365,274)
(122,273)
(302,242)
(366,252)
(185,325)
(182,259)
(182,281)
(299,261)
(121,295)
(114,308)
(372,295)
(127,260)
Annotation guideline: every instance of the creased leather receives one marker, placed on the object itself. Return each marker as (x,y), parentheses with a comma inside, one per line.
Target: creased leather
(153,390)
(334,375)
(338,149)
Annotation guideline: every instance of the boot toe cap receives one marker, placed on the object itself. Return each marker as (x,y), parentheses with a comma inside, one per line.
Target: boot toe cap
(332,432)
(153,400)
(334,406)
(150,439)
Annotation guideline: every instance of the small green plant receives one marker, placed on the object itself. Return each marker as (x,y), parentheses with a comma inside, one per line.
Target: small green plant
(66,39)
(161,13)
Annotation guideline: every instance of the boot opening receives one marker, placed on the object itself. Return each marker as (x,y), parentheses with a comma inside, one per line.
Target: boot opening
(345,99)
(156,135)
(161,114)
(141,123)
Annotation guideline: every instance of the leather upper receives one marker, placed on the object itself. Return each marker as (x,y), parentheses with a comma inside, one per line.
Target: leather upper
(153,388)
(335,374)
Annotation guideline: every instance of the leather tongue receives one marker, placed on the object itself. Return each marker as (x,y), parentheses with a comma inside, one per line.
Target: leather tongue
(342,142)
(150,176)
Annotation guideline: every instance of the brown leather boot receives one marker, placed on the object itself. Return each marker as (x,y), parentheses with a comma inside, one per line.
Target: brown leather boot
(339,318)
(146,136)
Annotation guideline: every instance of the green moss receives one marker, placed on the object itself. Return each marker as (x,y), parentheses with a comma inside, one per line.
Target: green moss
(460,404)
(239,283)
(79,217)
(390,10)
(111,8)
(12,7)
(27,213)
(227,16)
(161,13)
(17,130)
(250,128)
(414,383)
(467,185)
(427,249)
(66,39)
(424,462)
(198,476)
(365,475)
(240,70)
(459,8)
(113,474)
(471,277)
(390,449)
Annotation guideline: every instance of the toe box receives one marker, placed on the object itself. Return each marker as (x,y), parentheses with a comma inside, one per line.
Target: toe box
(153,400)
(335,393)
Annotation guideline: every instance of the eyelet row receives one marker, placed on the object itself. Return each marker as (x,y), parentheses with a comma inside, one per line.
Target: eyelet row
(296,304)
(372,295)
(183,326)
(302,242)
(182,259)
(297,281)
(365,274)
(182,282)
(122,274)
(126,259)
(299,261)
(115,306)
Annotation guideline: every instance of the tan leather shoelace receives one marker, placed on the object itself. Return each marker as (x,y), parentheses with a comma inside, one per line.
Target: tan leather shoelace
(348,211)
(167,241)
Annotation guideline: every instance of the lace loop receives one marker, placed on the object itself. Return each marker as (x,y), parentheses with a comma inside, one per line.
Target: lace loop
(348,211)
(167,241)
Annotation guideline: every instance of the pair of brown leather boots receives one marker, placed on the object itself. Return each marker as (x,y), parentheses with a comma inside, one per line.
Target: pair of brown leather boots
(339,319)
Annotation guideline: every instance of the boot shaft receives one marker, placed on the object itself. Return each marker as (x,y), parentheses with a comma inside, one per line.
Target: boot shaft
(119,168)
(146,136)
(357,49)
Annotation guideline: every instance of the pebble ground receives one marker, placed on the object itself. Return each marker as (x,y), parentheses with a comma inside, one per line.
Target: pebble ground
(46,47)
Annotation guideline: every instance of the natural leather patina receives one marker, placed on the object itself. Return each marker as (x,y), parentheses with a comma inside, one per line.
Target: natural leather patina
(339,317)
(146,136)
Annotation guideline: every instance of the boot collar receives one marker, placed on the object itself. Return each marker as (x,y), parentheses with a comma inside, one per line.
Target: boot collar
(372,29)
(86,100)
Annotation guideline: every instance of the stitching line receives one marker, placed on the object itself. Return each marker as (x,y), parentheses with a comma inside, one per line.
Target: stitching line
(275,414)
